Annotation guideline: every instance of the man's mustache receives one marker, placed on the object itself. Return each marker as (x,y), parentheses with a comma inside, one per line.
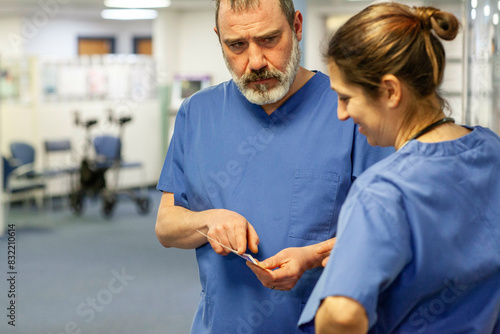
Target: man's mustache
(261,75)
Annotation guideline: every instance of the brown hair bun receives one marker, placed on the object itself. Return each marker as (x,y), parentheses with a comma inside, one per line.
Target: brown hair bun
(444,24)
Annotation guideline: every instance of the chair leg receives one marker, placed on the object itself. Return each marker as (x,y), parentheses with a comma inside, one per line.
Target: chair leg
(39,200)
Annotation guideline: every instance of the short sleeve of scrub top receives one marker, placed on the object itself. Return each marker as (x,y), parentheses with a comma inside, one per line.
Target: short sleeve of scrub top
(366,226)
(172,168)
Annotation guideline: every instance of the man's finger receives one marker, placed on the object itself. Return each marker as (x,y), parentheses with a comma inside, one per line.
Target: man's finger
(216,247)
(240,235)
(261,272)
(326,246)
(253,239)
(271,263)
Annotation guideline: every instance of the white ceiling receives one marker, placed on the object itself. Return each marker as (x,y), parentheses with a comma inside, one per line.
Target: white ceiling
(83,7)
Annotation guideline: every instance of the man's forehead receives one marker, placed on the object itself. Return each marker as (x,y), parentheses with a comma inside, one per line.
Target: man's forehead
(258,21)
(240,5)
(228,9)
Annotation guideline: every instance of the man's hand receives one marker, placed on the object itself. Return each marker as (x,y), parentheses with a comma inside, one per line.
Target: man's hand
(232,230)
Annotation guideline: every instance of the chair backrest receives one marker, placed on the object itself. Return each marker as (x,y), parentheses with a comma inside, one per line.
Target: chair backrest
(58,157)
(57,145)
(23,153)
(108,147)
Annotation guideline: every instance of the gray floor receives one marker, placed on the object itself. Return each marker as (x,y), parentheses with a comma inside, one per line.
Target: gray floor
(91,275)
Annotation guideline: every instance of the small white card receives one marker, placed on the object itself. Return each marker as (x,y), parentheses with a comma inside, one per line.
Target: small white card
(245,256)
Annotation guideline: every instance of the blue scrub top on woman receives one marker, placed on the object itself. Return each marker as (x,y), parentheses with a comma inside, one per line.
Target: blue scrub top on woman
(418,244)
(287,173)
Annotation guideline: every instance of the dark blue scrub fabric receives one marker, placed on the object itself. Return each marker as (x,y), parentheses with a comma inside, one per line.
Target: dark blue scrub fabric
(418,243)
(287,173)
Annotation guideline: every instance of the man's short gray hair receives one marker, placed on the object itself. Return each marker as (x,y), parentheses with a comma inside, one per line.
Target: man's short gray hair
(287,8)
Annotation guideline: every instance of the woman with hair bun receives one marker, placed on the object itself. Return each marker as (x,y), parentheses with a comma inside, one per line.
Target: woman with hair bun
(418,241)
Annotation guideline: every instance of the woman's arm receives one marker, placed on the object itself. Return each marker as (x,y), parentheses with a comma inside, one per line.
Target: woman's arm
(341,315)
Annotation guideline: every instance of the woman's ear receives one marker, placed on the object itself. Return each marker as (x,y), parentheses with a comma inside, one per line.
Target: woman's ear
(392,90)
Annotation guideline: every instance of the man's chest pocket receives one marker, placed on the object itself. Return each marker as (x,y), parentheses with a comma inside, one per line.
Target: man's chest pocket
(313,204)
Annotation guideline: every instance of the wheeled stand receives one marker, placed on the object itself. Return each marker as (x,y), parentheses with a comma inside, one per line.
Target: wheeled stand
(92,181)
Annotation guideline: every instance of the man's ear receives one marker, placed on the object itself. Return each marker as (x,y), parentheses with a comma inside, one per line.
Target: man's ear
(297,24)
(217,33)
(392,90)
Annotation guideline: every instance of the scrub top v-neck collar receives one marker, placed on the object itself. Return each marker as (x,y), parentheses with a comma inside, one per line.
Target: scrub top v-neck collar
(282,113)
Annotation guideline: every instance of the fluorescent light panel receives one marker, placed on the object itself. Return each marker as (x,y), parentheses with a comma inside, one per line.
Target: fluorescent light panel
(137,3)
(129,14)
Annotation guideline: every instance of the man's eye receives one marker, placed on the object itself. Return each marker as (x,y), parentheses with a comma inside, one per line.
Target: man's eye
(343,99)
(237,45)
(269,40)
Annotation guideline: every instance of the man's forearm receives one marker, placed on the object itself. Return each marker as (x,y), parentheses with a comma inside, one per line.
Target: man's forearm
(176,226)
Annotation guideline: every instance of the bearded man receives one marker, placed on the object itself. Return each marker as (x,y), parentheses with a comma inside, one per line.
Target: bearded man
(260,162)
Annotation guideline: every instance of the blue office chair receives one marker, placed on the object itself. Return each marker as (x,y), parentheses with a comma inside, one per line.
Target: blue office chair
(23,154)
(17,183)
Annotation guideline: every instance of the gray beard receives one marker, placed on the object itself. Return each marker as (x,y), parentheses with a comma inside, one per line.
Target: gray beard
(262,94)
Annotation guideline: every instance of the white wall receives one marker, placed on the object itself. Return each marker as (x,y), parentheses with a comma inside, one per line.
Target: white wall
(185,43)
(165,40)
(59,36)
(199,47)
(8,26)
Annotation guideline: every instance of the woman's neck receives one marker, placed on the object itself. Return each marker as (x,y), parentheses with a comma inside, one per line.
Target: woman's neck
(444,131)
(417,116)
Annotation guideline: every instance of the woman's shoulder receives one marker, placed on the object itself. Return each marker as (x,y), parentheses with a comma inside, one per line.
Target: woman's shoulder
(381,178)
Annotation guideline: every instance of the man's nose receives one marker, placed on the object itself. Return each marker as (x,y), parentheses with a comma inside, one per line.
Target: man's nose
(256,58)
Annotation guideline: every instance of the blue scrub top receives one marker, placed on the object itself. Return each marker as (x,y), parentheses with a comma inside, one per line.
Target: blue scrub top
(418,243)
(287,173)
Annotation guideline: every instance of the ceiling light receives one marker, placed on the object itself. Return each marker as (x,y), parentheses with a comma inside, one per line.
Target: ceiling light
(137,3)
(129,14)
(486,10)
